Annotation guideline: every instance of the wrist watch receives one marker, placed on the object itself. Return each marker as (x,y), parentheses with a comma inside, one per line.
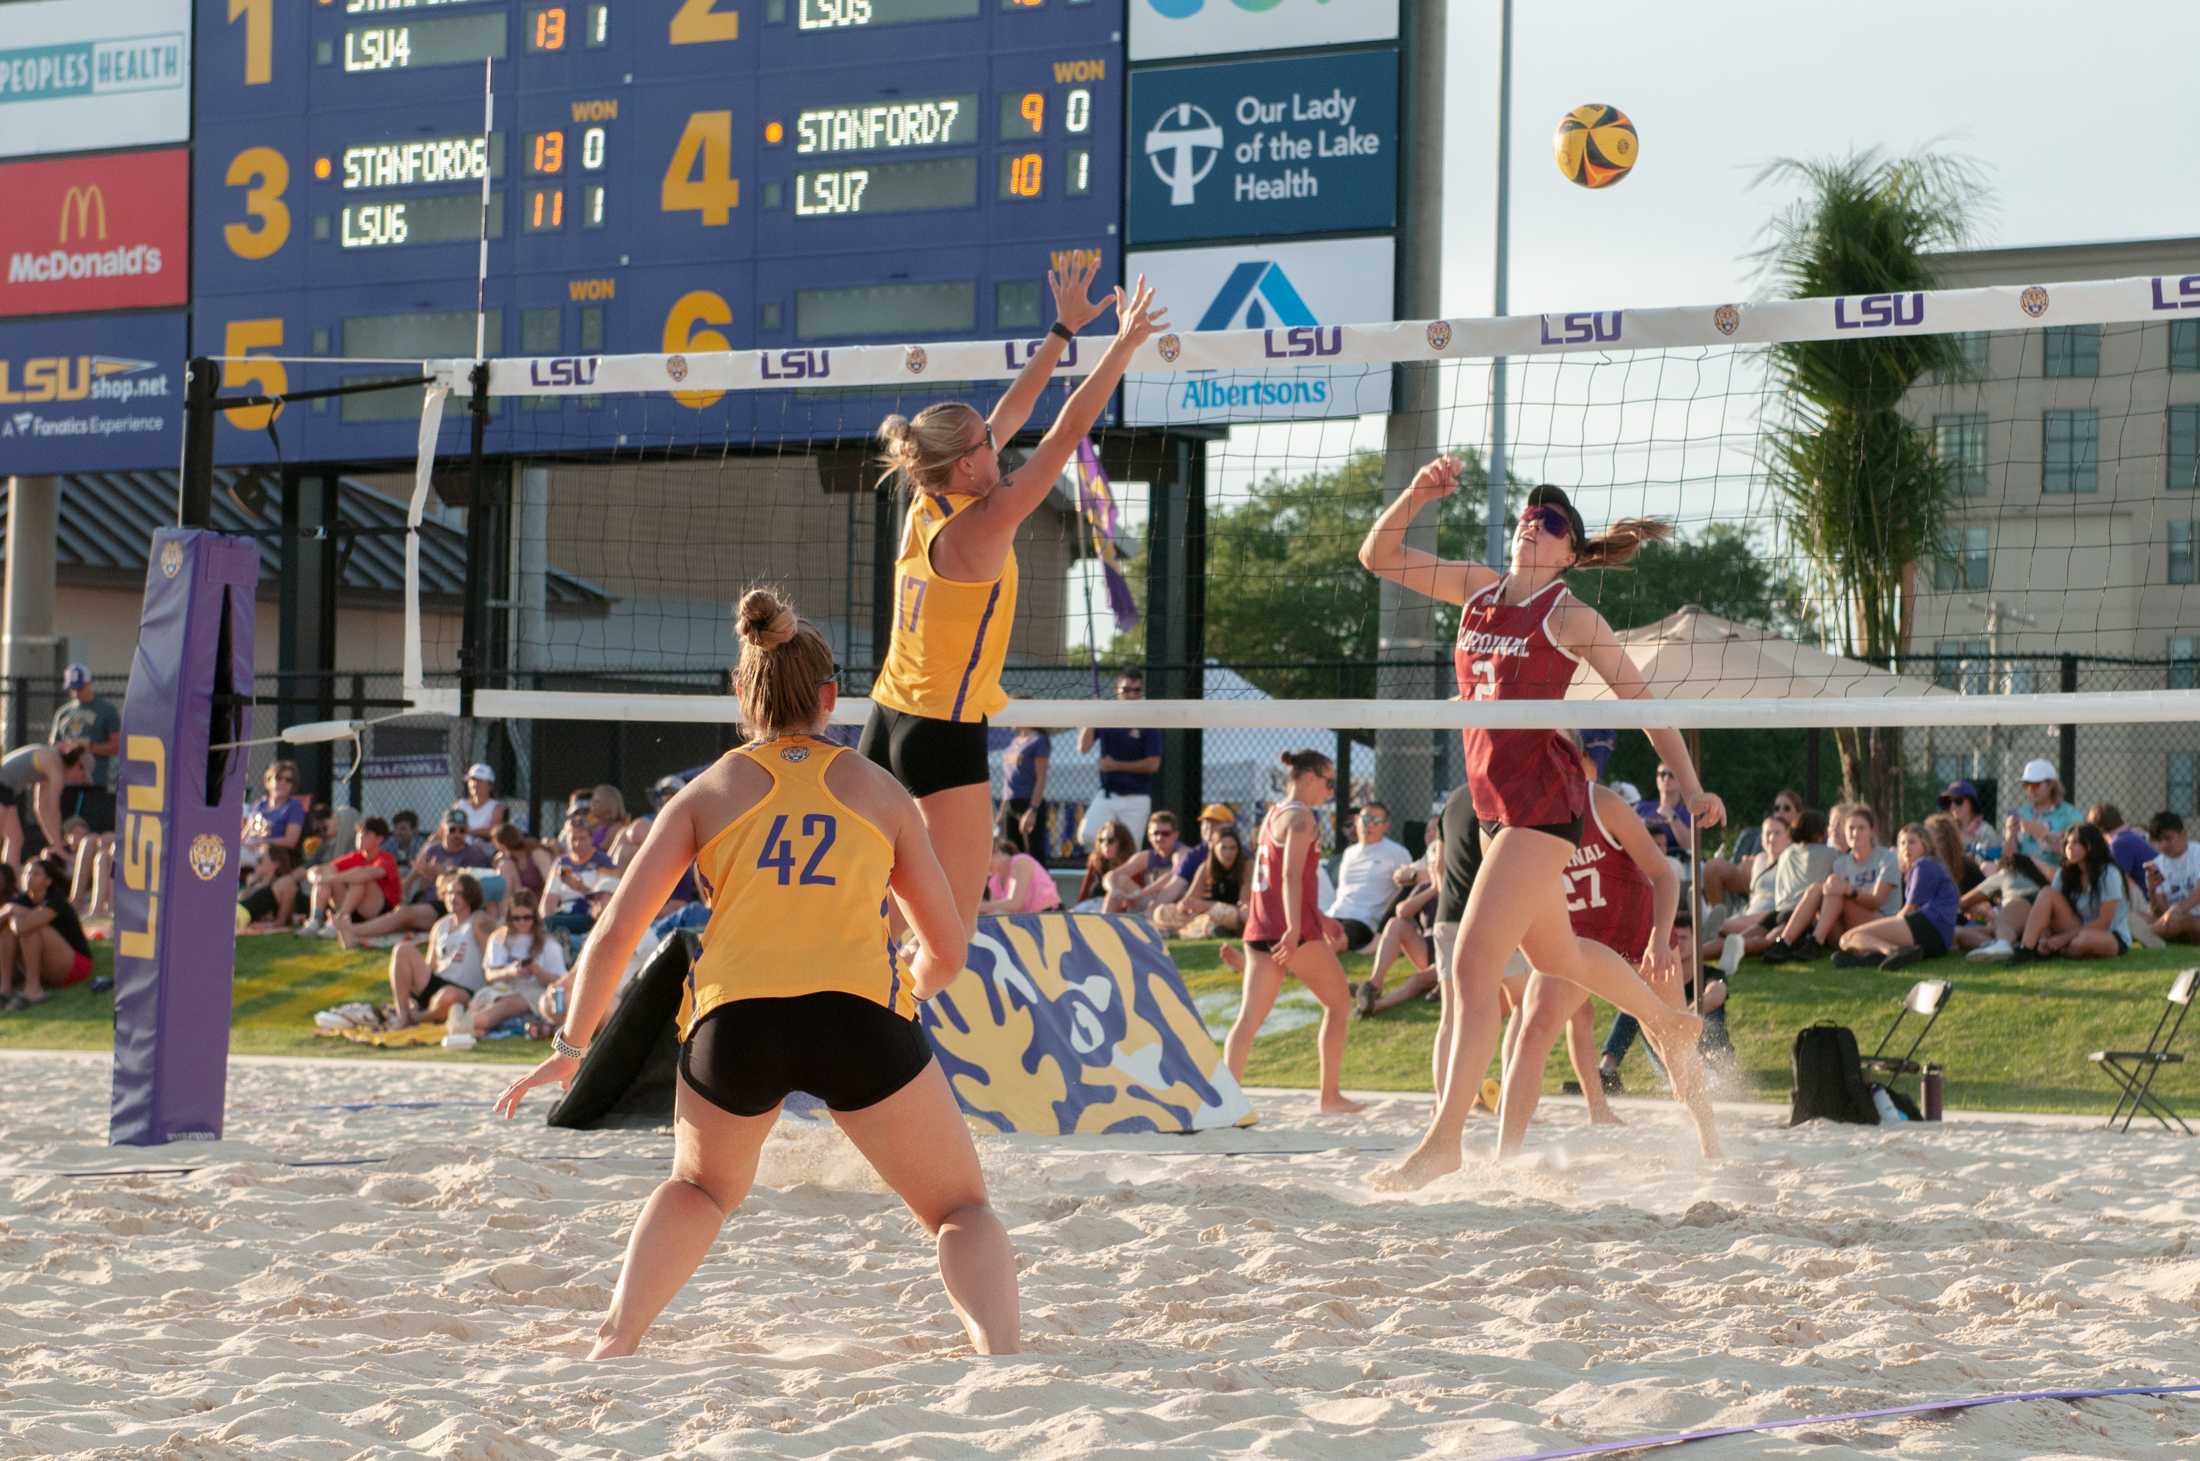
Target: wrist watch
(1063,330)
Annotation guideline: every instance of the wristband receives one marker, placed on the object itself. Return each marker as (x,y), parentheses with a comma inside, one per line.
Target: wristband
(1063,330)
(565,1047)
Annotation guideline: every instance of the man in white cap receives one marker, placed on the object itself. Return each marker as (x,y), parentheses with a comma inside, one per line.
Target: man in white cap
(2037,831)
(484,813)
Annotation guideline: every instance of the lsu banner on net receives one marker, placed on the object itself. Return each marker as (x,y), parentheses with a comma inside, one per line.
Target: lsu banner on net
(1079,1023)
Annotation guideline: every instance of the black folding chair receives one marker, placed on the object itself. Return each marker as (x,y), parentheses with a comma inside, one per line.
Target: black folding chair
(2134,1070)
(1927,997)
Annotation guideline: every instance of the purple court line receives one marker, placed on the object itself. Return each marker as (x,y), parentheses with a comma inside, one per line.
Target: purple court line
(1643,1443)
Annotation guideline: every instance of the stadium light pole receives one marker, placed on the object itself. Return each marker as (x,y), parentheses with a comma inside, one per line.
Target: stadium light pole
(1410,764)
(1496,496)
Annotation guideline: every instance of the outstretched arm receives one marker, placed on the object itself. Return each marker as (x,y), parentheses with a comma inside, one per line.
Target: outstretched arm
(1073,306)
(1665,884)
(1010,503)
(1582,631)
(1384,552)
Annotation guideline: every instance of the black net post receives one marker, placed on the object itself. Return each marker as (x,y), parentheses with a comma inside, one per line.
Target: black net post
(474,615)
(202,382)
(2067,752)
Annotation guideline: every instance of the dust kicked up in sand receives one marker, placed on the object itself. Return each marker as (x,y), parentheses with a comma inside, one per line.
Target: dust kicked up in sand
(1239,1292)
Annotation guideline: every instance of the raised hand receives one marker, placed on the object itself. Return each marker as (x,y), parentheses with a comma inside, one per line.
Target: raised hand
(1439,479)
(1073,303)
(1135,317)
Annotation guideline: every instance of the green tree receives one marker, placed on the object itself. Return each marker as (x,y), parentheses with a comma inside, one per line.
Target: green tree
(1287,600)
(1857,485)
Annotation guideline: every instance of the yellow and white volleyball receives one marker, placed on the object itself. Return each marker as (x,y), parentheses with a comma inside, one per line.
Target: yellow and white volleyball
(1595,145)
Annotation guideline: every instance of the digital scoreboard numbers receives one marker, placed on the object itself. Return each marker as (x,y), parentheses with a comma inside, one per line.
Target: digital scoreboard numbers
(664,176)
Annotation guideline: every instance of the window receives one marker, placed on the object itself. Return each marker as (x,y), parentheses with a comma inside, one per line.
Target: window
(2184,663)
(1966,562)
(2073,350)
(1971,355)
(2071,455)
(2184,771)
(2180,552)
(1960,443)
(1962,664)
(2184,344)
(2184,447)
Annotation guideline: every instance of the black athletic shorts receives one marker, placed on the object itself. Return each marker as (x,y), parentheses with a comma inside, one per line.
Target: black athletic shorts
(1568,832)
(426,996)
(1357,935)
(1925,935)
(849,1052)
(926,755)
(95,804)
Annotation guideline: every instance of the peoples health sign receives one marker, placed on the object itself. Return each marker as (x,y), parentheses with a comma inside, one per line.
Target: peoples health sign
(1296,294)
(81,75)
(1267,148)
(1164,28)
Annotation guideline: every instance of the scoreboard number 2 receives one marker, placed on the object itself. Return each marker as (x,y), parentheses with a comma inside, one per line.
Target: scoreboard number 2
(266,175)
(698,22)
(700,178)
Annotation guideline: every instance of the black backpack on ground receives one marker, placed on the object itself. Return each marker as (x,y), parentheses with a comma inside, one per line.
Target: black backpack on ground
(1829,1079)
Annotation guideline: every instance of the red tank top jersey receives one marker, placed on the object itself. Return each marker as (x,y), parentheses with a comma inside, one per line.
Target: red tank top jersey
(1606,890)
(1266,918)
(1521,778)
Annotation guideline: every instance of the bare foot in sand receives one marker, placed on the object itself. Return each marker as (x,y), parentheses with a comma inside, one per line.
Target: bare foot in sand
(1341,1106)
(1604,1116)
(1676,1045)
(609,1347)
(1430,1160)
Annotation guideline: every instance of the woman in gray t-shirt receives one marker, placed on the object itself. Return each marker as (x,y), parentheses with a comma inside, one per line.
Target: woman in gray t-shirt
(1865,884)
(2086,912)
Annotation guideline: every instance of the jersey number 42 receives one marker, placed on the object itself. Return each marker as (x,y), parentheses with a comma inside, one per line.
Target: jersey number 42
(818,828)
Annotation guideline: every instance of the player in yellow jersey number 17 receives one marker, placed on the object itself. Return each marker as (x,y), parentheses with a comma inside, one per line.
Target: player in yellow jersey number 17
(796,843)
(955,573)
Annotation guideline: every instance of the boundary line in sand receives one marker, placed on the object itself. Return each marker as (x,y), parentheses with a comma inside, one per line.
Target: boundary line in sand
(1676,1438)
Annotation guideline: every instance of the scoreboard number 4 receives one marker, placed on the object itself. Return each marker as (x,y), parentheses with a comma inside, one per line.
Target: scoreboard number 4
(700,178)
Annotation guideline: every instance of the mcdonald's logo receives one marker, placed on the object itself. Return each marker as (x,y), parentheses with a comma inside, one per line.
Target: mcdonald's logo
(81,201)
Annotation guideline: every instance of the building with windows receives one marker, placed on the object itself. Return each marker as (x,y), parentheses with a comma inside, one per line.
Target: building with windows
(2071,561)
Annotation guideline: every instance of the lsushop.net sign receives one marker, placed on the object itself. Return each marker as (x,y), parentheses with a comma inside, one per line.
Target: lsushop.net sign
(94,233)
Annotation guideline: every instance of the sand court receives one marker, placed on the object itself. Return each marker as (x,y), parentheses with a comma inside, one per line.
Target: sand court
(431,1288)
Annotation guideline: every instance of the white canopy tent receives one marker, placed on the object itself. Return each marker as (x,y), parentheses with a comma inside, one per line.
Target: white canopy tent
(1692,654)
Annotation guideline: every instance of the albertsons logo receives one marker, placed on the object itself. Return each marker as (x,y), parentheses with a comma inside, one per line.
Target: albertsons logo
(1258,295)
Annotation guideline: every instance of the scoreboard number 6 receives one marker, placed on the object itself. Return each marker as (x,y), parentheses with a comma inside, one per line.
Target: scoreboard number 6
(685,334)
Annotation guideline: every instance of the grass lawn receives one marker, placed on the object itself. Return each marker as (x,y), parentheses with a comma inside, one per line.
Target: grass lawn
(2011,1039)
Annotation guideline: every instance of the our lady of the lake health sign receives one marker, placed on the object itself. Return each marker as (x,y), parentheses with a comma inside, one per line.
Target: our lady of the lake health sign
(1287,147)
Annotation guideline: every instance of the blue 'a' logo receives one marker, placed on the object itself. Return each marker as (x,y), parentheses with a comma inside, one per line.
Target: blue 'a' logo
(1254,289)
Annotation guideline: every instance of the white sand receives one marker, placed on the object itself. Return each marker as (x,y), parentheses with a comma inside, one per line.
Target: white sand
(1175,1299)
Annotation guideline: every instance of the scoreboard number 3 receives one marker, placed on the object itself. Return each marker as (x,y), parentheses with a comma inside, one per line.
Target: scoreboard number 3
(265,174)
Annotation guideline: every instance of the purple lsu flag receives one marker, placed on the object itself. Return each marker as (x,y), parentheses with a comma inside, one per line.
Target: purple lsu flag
(1096,504)
(180,796)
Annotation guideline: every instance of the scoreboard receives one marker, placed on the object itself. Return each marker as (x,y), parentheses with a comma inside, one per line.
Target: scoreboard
(663,176)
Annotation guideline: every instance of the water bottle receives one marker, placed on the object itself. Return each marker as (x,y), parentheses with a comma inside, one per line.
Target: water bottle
(1889,1112)
(1929,1092)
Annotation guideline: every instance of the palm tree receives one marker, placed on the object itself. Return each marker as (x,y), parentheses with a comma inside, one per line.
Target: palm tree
(1856,484)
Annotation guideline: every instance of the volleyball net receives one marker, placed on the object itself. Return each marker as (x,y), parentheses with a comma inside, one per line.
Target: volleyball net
(1910,510)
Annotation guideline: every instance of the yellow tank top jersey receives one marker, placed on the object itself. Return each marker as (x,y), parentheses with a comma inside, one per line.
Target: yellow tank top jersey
(796,888)
(950,637)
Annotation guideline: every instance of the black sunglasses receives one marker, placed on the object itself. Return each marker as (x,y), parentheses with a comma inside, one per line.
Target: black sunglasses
(1549,519)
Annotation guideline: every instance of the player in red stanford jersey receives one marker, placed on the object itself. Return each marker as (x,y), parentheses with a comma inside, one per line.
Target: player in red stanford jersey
(1283,930)
(1622,893)
(1521,637)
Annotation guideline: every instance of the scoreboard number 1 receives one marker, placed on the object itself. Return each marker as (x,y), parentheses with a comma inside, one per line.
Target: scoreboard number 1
(259,38)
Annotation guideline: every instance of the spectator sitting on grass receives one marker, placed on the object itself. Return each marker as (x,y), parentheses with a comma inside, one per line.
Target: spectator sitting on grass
(2173,882)
(1666,815)
(427,904)
(2129,847)
(357,886)
(1406,933)
(1865,884)
(2038,833)
(1923,928)
(1110,850)
(1365,883)
(1733,879)
(522,862)
(580,882)
(478,804)
(619,835)
(1754,924)
(404,839)
(1157,873)
(40,936)
(1945,841)
(428,986)
(1017,882)
(450,850)
(2084,913)
(270,896)
(518,968)
(1214,906)
(1979,839)
(1806,862)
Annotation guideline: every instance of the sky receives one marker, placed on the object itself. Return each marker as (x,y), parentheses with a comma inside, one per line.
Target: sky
(2071,113)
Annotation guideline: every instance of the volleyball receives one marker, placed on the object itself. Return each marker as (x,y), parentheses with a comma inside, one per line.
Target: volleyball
(1595,145)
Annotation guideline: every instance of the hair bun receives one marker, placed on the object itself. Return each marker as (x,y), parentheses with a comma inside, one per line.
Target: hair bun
(898,436)
(764,621)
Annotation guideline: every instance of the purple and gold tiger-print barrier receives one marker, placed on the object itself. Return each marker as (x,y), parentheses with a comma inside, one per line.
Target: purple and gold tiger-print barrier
(1079,1023)
(178,802)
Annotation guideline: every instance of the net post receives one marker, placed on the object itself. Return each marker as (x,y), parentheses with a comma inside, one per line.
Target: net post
(202,382)
(474,612)
(2066,756)
(1176,576)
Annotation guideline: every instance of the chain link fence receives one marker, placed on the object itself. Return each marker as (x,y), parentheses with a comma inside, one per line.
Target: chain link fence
(416,763)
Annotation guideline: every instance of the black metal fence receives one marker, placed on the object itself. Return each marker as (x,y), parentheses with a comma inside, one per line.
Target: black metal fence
(416,762)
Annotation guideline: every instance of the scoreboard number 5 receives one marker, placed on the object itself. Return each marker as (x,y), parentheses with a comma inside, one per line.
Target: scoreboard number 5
(239,337)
